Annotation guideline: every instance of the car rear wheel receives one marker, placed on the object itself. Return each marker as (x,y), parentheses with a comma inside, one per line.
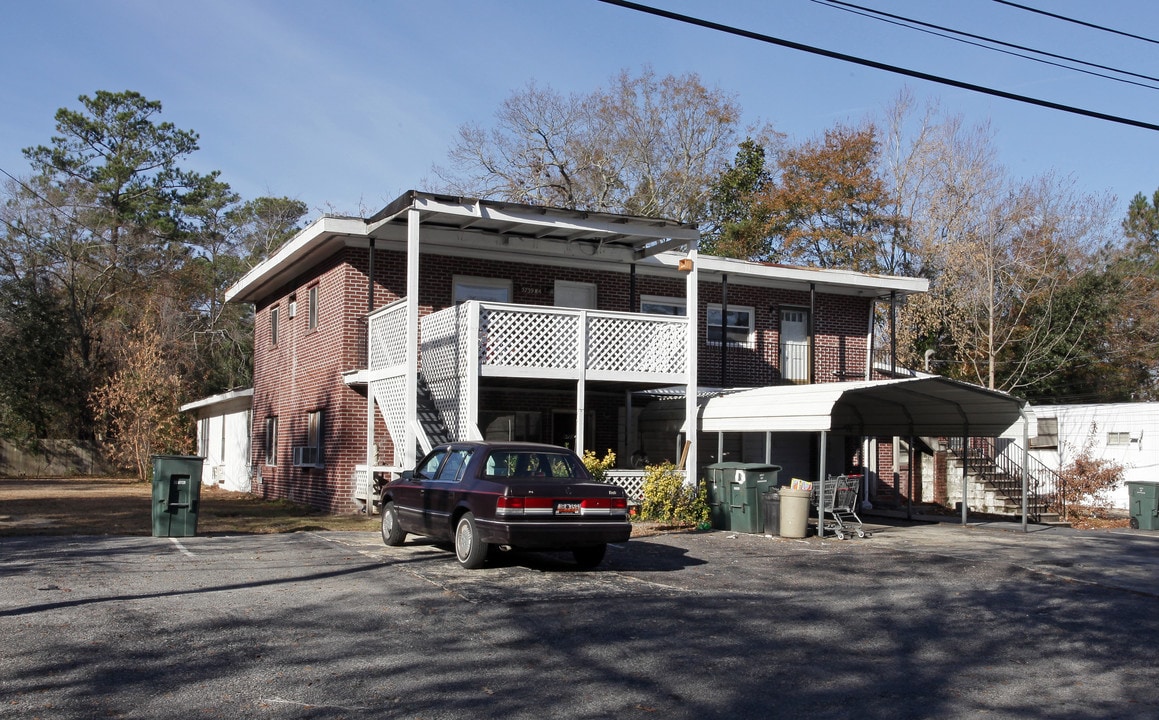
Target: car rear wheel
(392,532)
(469,549)
(589,557)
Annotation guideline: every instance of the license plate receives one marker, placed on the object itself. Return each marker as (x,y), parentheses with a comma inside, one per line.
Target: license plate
(567,508)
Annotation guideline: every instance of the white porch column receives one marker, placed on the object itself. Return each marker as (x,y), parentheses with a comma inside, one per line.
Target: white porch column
(412,336)
(470,422)
(692,422)
(581,384)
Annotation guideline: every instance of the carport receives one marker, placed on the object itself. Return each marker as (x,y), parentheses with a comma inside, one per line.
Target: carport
(907,407)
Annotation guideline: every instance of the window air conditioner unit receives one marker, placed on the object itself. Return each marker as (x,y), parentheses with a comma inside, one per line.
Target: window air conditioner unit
(305,456)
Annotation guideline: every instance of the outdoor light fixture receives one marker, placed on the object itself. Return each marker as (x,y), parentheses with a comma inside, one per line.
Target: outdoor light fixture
(685,265)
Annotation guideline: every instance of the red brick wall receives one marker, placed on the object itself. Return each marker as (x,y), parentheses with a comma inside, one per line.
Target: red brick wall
(304,371)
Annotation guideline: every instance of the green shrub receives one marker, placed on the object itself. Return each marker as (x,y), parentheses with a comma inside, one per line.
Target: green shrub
(668,499)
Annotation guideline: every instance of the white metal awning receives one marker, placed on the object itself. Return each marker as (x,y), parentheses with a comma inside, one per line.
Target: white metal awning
(924,406)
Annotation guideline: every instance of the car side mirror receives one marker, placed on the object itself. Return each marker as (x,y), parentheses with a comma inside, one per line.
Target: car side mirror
(408,475)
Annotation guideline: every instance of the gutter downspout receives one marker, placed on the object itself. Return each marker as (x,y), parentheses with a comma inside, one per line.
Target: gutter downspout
(723,332)
(893,333)
(812,334)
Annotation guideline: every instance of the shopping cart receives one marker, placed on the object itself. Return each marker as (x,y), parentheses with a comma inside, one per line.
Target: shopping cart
(839,502)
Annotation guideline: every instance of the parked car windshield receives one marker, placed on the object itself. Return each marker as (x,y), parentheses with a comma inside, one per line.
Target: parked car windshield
(534,463)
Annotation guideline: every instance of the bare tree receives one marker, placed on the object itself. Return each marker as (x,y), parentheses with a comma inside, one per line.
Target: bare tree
(644,145)
(1000,256)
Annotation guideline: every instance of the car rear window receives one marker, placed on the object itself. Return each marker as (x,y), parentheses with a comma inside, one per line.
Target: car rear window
(533,464)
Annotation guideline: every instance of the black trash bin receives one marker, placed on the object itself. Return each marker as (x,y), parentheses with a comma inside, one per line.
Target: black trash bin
(176,494)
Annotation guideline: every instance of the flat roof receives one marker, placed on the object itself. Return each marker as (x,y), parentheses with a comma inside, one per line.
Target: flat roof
(652,242)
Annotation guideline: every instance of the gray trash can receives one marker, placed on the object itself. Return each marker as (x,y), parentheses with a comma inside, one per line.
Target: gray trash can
(176,494)
(772,503)
(794,512)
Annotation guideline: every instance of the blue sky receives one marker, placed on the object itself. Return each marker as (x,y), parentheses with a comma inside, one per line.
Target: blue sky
(344,104)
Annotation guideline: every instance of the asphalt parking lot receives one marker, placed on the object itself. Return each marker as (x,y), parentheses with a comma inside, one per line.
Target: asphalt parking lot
(920,621)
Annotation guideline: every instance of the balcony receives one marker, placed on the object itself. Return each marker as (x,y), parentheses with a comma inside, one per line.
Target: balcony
(533,341)
(463,344)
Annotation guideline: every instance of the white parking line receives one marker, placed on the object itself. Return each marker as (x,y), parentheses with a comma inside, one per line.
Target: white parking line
(182,548)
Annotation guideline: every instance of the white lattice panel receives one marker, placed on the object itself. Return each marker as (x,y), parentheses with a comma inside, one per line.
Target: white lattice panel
(390,394)
(636,345)
(441,345)
(444,364)
(631,480)
(528,338)
(387,337)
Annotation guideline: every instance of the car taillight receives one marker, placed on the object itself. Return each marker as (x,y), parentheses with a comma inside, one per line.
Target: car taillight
(611,504)
(508,505)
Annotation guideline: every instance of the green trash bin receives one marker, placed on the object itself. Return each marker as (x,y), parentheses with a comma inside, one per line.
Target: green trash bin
(747,488)
(176,494)
(1144,504)
(718,476)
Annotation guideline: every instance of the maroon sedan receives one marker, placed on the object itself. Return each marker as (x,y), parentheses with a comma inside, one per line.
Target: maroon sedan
(487,495)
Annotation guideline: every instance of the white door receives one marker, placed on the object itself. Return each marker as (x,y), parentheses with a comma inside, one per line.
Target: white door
(575,294)
(795,346)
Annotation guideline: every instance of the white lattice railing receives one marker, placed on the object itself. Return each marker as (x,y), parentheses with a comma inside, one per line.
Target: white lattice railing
(361,489)
(523,340)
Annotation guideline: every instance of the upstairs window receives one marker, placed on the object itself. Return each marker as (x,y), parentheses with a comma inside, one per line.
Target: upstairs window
(274,326)
(657,305)
(738,325)
(481,288)
(312,309)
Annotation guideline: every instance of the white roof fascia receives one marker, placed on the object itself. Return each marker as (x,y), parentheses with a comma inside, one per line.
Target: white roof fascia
(825,276)
(298,247)
(750,273)
(220,399)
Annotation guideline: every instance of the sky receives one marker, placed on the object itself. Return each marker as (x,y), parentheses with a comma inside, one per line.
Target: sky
(346,104)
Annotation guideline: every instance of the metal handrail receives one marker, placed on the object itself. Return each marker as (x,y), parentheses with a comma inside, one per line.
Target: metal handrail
(1043,484)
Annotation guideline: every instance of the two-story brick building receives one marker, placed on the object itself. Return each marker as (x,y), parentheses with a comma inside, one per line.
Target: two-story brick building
(441,318)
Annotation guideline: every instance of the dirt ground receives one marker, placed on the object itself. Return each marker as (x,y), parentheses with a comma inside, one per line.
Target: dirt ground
(108,506)
(104,506)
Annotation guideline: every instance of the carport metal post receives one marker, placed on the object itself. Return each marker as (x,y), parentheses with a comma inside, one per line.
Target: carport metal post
(1025,465)
(965,473)
(909,485)
(821,485)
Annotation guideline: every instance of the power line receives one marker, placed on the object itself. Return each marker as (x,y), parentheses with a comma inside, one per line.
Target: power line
(878,65)
(1076,22)
(902,22)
